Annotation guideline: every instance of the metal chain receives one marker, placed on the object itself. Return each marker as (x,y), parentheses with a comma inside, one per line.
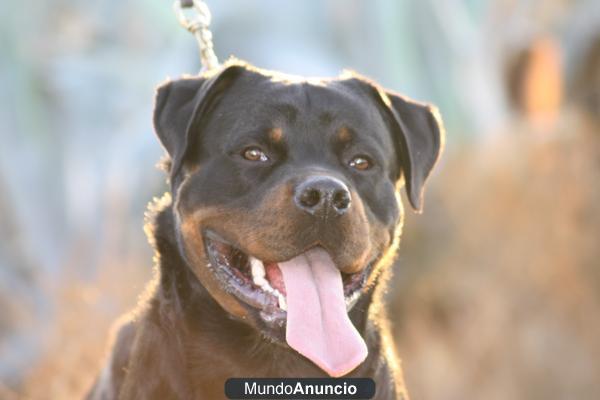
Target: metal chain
(199,26)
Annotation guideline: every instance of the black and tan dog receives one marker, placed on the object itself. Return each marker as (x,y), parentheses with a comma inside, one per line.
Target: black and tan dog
(277,238)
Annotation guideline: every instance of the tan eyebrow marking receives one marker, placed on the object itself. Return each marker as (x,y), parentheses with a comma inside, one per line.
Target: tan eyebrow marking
(276,134)
(344,134)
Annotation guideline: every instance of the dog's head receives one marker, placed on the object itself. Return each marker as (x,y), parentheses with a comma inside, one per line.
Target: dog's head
(277,180)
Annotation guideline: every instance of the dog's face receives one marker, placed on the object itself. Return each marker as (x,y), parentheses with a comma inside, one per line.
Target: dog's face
(265,169)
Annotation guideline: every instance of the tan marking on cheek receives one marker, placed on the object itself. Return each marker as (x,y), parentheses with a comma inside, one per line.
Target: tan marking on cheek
(344,134)
(194,249)
(276,134)
(191,231)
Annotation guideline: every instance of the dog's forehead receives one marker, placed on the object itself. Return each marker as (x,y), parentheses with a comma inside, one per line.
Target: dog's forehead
(329,105)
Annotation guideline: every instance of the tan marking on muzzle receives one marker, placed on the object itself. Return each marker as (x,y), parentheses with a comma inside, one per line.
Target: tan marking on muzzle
(190,226)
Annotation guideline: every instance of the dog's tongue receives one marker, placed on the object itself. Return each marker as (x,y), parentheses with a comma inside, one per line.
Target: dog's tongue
(318,326)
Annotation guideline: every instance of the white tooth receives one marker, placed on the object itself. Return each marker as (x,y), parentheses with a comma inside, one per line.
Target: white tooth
(258,268)
(264,285)
(282,303)
(258,271)
(351,300)
(258,280)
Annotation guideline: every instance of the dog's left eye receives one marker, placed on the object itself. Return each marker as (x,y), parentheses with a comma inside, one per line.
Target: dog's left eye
(361,163)
(254,154)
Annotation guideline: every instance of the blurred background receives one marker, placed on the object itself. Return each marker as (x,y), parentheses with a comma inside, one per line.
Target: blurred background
(496,292)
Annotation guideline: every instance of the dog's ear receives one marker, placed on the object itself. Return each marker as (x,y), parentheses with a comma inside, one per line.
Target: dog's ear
(417,131)
(180,107)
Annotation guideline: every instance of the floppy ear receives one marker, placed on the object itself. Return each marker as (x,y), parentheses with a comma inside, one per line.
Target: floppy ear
(180,107)
(419,134)
(417,131)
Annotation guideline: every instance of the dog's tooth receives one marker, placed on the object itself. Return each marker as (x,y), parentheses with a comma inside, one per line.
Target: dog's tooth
(264,285)
(282,302)
(351,300)
(258,271)
(260,282)
(257,268)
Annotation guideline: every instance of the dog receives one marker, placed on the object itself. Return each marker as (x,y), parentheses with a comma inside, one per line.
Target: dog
(276,240)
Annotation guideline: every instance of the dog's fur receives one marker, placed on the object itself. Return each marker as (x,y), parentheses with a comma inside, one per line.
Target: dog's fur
(190,335)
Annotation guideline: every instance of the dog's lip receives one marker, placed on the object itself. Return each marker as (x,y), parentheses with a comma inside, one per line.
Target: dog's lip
(255,297)
(230,279)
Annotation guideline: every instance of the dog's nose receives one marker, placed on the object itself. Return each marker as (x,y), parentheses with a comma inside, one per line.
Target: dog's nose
(322,196)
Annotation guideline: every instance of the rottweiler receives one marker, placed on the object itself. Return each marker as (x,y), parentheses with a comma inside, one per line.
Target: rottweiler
(276,240)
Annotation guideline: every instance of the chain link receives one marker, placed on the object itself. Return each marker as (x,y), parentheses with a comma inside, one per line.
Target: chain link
(198,24)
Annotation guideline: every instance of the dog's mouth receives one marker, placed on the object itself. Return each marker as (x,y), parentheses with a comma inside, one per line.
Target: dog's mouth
(260,284)
(308,295)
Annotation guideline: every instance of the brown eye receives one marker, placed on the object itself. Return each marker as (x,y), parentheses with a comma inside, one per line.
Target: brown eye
(254,154)
(361,163)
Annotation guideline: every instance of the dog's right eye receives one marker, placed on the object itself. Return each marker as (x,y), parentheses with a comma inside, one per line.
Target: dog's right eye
(361,163)
(253,153)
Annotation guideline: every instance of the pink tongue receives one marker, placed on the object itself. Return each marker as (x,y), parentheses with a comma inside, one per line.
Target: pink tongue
(318,326)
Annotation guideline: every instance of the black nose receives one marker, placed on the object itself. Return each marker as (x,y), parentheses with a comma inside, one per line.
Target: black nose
(322,196)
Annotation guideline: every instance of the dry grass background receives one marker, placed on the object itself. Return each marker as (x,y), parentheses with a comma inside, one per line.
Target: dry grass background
(74,350)
(501,295)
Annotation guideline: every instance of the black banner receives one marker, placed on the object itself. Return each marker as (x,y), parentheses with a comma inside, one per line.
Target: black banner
(300,388)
